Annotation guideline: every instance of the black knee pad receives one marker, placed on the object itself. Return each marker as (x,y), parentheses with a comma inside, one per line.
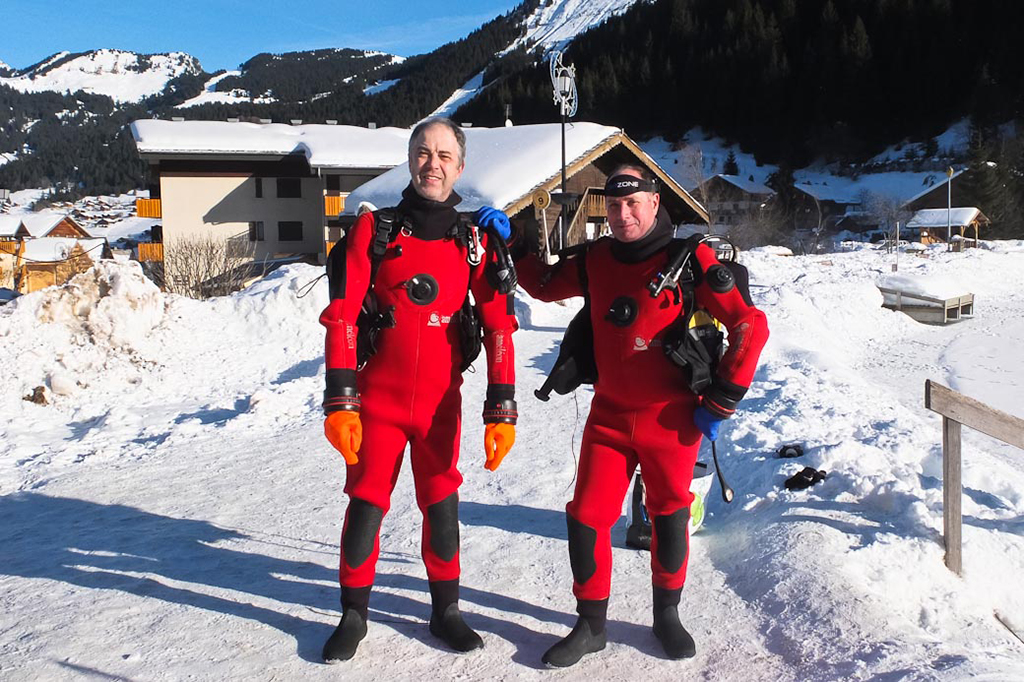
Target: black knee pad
(443,517)
(582,542)
(360,531)
(670,531)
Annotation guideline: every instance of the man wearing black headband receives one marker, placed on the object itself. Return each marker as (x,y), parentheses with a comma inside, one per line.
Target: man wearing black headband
(643,412)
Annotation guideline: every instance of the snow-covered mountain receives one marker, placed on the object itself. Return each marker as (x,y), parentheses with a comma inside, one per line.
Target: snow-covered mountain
(553,25)
(121,75)
(550,27)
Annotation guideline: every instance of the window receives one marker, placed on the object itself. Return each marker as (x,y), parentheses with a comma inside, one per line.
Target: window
(256,231)
(289,231)
(259,188)
(289,188)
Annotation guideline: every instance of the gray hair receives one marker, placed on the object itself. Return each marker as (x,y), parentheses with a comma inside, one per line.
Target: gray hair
(460,136)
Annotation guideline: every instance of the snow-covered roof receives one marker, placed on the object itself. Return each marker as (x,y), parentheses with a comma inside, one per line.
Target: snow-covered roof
(938,217)
(40,224)
(56,249)
(746,185)
(502,164)
(9,225)
(931,187)
(825,192)
(324,146)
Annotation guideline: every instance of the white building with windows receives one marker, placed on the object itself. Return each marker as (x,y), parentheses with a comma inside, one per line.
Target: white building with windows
(272,189)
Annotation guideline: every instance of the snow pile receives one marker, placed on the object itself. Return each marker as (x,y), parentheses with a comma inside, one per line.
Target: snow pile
(930,287)
(112,303)
(174,511)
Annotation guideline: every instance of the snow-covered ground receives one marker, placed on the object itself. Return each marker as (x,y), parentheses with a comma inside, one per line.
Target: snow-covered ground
(174,511)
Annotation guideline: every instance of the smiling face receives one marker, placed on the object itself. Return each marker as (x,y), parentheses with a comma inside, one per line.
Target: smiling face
(434,162)
(631,217)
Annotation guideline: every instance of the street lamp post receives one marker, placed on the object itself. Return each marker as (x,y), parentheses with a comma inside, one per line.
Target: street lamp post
(563,80)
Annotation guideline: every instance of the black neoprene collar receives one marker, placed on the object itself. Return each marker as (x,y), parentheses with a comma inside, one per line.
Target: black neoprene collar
(426,218)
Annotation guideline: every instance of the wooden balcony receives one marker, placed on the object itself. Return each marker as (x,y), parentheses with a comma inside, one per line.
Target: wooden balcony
(147,208)
(333,205)
(9,247)
(151,251)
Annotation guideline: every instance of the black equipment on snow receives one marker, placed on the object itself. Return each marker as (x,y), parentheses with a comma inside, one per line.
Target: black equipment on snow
(805,478)
(790,450)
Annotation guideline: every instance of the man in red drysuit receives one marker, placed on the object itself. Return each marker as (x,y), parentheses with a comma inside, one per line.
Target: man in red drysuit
(643,412)
(408,392)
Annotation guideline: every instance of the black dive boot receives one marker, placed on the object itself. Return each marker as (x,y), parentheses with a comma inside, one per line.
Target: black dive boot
(674,638)
(344,641)
(446,619)
(587,635)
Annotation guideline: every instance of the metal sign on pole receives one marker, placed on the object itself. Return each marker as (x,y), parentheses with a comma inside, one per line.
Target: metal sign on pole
(563,80)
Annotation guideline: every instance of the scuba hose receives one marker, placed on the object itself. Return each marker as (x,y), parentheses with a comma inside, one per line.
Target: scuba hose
(727,492)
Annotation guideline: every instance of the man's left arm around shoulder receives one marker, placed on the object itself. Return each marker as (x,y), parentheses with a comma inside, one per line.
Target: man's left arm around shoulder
(729,301)
(495,304)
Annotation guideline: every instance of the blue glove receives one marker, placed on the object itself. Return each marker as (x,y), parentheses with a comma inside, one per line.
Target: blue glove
(707,422)
(493,219)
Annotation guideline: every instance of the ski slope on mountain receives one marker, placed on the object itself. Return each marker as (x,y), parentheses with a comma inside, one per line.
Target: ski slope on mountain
(553,25)
(173,512)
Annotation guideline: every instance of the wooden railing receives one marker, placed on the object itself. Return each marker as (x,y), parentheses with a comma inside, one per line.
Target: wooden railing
(590,205)
(9,247)
(151,251)
(957,409)
(147,208)
(333,205)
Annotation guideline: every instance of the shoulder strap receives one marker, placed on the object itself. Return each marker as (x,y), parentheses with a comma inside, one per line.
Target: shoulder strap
(384,221)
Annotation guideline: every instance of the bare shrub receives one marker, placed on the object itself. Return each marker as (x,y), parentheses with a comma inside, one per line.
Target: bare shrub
(202,266)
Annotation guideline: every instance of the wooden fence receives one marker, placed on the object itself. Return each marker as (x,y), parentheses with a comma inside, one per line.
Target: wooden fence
(957,409)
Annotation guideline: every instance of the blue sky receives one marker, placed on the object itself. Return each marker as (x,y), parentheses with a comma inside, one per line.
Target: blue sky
(225,33)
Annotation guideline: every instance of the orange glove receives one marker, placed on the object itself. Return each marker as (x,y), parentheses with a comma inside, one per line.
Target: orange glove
(498,440)
(345,432)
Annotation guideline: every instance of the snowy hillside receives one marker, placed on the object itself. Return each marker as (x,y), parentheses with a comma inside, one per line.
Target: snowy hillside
(173,512)
(122,76)
(553,25)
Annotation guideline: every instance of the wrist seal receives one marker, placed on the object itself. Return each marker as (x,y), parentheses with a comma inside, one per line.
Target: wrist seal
(341,393)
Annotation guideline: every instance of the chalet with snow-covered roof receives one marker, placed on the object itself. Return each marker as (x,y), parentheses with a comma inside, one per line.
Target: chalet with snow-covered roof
(952,190)
(270,189)
(960,226)
(291,189)
(819,207)
(733,200)
(518,169)
(48,261)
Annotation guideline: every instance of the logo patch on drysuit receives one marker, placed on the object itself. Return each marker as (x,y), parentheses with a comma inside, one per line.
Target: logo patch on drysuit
(436,319)
(640,343)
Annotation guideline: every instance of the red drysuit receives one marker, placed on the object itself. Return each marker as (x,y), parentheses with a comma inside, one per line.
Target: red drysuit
(642,411)
(409,392)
